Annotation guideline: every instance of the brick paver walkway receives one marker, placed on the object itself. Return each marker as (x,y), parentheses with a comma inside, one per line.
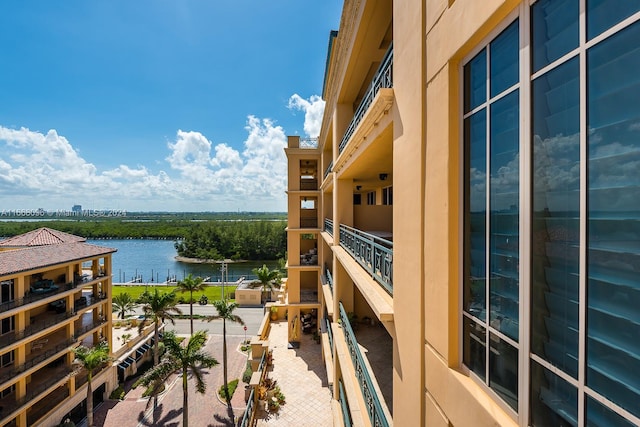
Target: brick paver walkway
(204,410)
(302,377)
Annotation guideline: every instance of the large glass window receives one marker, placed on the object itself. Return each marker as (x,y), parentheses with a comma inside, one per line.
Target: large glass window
(579,266)
(492,144)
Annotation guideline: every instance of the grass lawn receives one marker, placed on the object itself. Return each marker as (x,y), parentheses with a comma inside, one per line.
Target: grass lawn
(212,292)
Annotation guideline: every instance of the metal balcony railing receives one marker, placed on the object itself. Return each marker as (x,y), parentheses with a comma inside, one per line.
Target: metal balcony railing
(308,184)
(344,405)
(328,170)
(32,297)
(33,328)
(327,323)
(308,143)
(328,226)
(248,413)
(373,253)
(372,401)
(11,372)
(329,278)
(382,79)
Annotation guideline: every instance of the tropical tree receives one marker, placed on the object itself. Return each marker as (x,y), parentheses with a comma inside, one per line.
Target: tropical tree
(158,306)
(187,360)
(191,284)
(123,303)
(225,310)
(267,278)
(91,359)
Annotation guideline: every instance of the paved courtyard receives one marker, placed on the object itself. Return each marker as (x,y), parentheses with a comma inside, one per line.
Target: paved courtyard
(204,410)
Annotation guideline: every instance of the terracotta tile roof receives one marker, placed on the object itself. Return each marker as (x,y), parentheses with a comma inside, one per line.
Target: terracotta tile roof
(40,237)
(33,257)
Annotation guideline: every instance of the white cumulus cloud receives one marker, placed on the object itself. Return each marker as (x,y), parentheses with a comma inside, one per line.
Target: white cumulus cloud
(313,110)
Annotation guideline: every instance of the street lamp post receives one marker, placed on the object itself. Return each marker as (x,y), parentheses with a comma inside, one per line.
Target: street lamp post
(223,270)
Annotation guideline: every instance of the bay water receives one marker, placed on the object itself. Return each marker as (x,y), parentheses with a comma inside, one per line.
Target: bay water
(153,261)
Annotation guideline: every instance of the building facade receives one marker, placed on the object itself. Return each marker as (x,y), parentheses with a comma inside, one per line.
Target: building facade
(56,295)
(465,228)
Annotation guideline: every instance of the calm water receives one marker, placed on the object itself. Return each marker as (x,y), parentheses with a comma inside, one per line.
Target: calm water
(154,261)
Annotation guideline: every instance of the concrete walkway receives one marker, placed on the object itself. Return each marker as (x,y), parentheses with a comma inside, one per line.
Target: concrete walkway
(302,378)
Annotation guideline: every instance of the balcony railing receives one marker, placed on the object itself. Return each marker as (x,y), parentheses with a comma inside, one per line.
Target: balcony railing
(327,274)
(328,170)
(344,405)
(308,143)
(248,413)
(328,226)
(372,402)
(32,297)
(33,328)
(11,372)
(373,253)
(327,324)
(382,79)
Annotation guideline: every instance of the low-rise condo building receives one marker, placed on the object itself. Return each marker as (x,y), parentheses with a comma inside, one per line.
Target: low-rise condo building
(55,295)
(464,231)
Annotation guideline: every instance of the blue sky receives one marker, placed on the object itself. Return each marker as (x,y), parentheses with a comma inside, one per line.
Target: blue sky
(180,105)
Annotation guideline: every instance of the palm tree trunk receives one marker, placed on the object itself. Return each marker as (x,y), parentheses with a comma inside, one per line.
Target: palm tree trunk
(224,361)
(191,310)
(156,359)
(185,399)
(89,401)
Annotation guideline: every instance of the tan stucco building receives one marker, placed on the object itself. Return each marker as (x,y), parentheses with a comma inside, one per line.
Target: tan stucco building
(56,295)
(463,232)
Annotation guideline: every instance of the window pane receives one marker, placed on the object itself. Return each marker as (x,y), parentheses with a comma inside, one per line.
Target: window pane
(504,59)
(475,81)
(474,347)
(613,288)
(554,30)
(475,218)
(554,402)
(503,370)
(603,14)
(555,225)
(504,215)
(601,416)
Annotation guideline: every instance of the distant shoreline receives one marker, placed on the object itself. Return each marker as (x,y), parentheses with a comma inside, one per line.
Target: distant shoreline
(188,260)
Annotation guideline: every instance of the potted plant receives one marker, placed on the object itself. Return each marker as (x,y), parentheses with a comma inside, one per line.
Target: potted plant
(274,312)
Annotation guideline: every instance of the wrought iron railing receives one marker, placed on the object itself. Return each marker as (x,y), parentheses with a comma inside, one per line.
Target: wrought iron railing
(32,297)
(382,79)
(263,361)
(8,373)
(327,274)
(87,328)
(308,143)
(344,405)
(248,412)
(373,253)
(327,171)
(33,328)
(372,402)
(327,324)
(328,226)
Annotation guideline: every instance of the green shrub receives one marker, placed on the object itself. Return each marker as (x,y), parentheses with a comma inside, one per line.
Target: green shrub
(118,393)
(232,388)
(246,376)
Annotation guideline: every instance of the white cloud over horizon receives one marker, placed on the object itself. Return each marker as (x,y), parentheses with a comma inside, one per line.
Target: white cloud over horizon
(45,170)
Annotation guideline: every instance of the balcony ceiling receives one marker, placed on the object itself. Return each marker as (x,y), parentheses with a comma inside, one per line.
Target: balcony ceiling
(375,159)
(369,47)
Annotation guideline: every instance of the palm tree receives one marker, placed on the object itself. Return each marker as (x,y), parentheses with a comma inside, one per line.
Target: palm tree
(225,312)
(90,359)
(267,278)
(191,284)
(158,307)
(123,303)
(189,359)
